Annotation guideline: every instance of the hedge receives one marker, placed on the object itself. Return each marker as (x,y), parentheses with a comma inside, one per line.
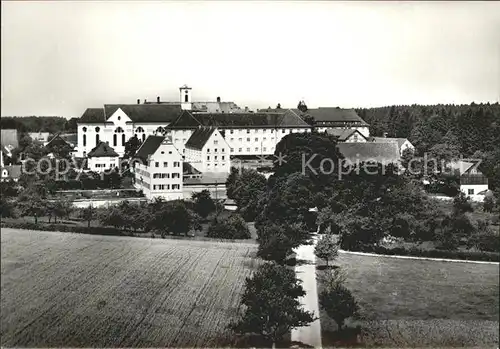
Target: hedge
(415,252)
(64,228)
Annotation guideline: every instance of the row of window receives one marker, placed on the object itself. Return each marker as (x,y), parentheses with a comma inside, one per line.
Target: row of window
(257,149)
(165,164)
(223,150)
(215,157)
(142,172)
(166,186)
(103,165)
(166,175)
(248,139)
(216,165)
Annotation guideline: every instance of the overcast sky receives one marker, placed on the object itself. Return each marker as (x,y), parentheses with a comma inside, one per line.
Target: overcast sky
(59,58)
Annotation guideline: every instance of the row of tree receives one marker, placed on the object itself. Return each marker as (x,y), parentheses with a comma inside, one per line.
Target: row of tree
(51,124)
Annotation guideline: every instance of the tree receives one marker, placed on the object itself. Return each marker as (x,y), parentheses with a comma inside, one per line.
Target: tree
(326,248)
(88,213)
(113,217)
(234,227)
(171,217)
(131,146)
(276,242)
(203,203)
(302,106)
(488,204)
(246,187)
(6,207)
(338,303)
(462,204)
(33,201)
(272,307)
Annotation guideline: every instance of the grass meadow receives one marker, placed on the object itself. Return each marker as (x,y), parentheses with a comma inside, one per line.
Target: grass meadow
(420,303)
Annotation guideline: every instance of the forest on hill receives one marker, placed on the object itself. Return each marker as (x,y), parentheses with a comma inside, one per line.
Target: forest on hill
(51,124)
(444,131)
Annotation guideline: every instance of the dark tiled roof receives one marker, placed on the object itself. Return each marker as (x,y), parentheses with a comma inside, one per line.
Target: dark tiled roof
(380,152)
(149,147)
(199,137)
(333,115)
(287,118)
(92,115)
(188,169)
(9,138)
(342,134)
(102,150)
(57,140)
(399,141)
(14,171)
(146,112)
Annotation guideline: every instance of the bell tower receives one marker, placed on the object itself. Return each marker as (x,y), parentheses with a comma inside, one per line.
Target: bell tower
(185,94)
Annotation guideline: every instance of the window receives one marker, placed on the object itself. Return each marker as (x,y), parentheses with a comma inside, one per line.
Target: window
(157,164)
(176,164)
(208,165)
(170,152)
(186,98)
(97,129)
(248,139)
(175,186)
(272,130)
(283,131)
(208,157)
(84,140)
(248,149)
(223,150)
(165,164)
(264,139)
(84,129)
(216,142)
(114,140)
(123,138)
(208,150)
(232,139)
(222,157)
(184,140)
(215,150)
(239,149)
(471,191)
(256,149)
(176,140)
(96,139)
(248,130)
(143,137)
(231,131)
(84,153)
(215,165)
(239,139)
(256,139)
(232,150)
(175,175)
(264,149)
(215,157)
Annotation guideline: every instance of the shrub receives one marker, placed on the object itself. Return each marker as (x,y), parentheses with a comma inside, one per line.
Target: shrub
(339,304)
(326,248)
(234,227)
(63,228)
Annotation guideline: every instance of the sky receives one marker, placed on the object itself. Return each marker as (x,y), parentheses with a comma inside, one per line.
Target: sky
(59,58)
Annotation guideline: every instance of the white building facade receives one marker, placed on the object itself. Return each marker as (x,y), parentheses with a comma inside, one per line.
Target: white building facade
(207,151)
(158,172)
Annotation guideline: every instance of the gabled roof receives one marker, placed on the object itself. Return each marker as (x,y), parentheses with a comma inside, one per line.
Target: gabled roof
(57,140)
(146,112)
(380,152)
(188,169)
(462,167)
(287,118)
(334,115)
(200,137)
(13,171)
(341,134)
(149,147)
(9,138)
(102,150)
(399,141)
(92,115)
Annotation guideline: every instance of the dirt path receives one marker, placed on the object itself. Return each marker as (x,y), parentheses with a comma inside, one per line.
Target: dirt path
(310,335)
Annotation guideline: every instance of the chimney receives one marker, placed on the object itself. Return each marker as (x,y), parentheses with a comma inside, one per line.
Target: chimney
(158,99)
(218,99)
(145,100)
(138,101)
(246,109)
